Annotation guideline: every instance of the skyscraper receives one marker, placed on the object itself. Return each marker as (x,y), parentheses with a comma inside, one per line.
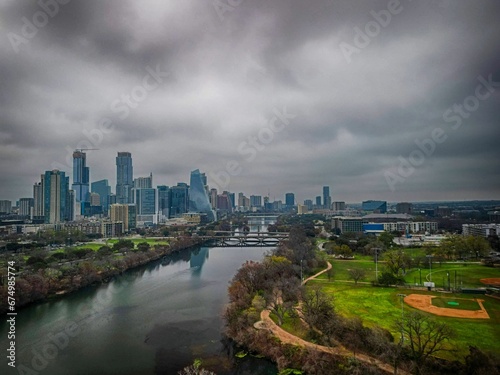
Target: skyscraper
(256,201)
(56,196)
(38,211)
(163,200)
(145,202)
(102,188)
(81,176)
(327,200)
(318,201)
(26,206)
(198,197)
(144,182)
(213,198)
(290,200)
(124,178)
(178,199)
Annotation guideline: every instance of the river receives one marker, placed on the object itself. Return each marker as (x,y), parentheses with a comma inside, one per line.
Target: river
(155,319)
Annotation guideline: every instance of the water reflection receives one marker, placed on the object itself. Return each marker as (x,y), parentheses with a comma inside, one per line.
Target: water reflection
(154,319)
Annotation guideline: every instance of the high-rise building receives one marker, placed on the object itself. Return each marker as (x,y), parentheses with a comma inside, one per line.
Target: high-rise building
(163,200)
(124,213)
(290,200)
(56,197)
(213,198)
(5,207)
(179,200)
(81,176)
(232,198)
(198,197)
(224,202)
(72,206)
(144,182)
(145,203)
(26,207)
(327,200)
(38,210)
(124,178)
(318,201)
(309,204)
(256,201)
(102,188)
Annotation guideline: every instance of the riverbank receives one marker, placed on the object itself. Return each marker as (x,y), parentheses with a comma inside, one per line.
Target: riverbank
(59,279)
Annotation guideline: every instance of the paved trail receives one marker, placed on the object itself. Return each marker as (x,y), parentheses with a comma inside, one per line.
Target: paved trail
(268,324)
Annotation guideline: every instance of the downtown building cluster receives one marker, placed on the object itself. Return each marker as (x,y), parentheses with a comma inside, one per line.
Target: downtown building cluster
(136,202)
(93,208)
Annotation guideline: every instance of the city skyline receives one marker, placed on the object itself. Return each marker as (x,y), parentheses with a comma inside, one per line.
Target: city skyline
(377,101)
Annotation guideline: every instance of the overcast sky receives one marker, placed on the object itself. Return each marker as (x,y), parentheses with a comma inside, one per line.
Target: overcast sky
(293,95)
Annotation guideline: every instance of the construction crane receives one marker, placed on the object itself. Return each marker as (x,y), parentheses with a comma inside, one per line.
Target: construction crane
(85,149)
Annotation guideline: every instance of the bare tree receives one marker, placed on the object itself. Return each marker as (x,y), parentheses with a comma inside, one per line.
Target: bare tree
(281,296)
(356,274)
(426,337)
(317,307)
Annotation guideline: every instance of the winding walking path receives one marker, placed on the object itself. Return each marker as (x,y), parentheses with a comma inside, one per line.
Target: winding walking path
(266,323)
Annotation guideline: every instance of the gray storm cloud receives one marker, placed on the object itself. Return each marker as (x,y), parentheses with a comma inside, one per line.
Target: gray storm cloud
(365,82)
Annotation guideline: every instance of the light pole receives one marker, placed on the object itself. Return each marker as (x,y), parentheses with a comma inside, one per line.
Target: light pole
(376,263)
(420,271)
(430,270)
(401,296)
(301,274)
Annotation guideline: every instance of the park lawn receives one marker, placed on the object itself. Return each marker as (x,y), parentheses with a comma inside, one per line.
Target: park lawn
(341,267)
(136,241)
(468,276)
(91,245)
(97,245)
(378,306)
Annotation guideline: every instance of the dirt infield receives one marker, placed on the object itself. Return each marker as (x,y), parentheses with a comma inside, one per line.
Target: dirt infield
(424,303)
(495,281)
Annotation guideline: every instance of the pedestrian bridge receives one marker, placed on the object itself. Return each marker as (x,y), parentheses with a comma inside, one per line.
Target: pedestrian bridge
(252,239)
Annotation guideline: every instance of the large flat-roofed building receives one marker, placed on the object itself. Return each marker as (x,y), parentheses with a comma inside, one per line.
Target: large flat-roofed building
(344,224)
(374,206)
(411,226)
(404,208)
(483,230)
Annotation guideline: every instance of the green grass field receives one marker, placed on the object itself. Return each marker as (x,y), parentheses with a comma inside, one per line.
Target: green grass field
(456,303)
(96,245)
(467,276)
(453,274)
(382,307)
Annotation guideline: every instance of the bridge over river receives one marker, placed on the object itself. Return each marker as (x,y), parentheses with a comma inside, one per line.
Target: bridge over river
(251,239)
